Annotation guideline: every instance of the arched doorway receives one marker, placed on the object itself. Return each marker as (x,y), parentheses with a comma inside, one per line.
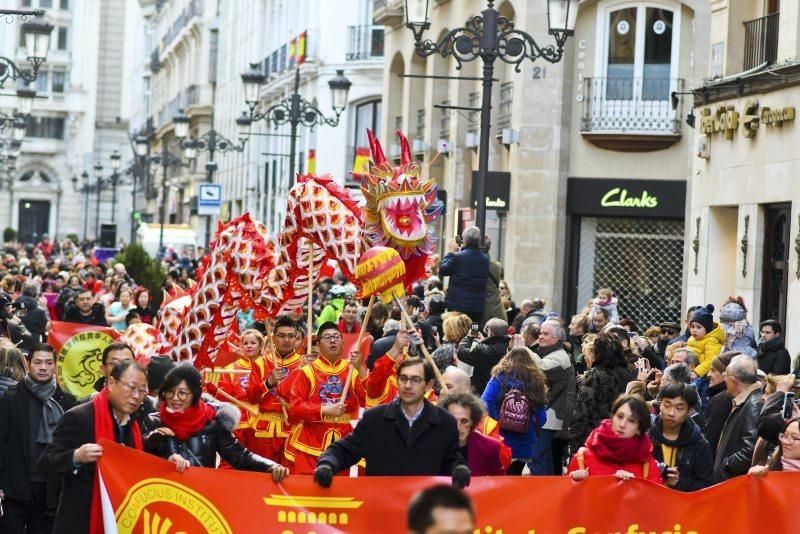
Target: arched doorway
(35,192)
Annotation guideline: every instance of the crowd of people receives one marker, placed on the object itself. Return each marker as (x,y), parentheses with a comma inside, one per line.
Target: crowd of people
(461,383)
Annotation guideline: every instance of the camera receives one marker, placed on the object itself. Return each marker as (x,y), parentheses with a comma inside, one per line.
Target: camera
(788,401)
(475,328)
(662,468)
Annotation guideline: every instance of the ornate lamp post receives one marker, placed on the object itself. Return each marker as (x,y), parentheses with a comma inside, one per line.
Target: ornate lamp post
(37,43)
(488,37)
(294,110)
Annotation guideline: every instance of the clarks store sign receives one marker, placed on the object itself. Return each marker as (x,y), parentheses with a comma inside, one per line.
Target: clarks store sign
(626,198)
(726,120)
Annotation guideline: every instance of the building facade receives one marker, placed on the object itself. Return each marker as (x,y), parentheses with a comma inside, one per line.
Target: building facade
(79,119)
(589,158)
(744,215)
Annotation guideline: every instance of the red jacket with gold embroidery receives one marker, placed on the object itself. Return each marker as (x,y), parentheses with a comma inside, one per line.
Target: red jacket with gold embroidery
(314,386)
(381,384)
(273,402)
(235,384)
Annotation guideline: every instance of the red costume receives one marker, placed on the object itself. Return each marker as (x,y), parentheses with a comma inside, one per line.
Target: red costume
(356,328)
(235,385)
(605,453)
(314,386)
(381,384)
(271,427)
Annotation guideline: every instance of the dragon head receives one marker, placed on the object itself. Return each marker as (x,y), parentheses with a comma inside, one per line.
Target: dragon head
(400,206)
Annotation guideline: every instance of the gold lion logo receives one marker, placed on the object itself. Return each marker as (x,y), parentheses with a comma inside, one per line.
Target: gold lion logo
(158,505)
(79,360)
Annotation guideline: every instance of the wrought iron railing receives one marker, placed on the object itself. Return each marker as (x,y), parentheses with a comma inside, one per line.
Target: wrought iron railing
(364,42)
(761,41)
(631,105)
(186,15)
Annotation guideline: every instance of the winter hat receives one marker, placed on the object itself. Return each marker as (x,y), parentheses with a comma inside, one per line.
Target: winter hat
(734,310)
(704,317)
(157,370)
(720,362)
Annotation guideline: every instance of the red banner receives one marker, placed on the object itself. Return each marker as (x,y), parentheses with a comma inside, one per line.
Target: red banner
(79,349)
(146,494)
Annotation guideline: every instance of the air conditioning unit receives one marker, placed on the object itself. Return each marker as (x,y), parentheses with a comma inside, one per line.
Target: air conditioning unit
(472,140)
(419,146)
(510,136)
(443,146)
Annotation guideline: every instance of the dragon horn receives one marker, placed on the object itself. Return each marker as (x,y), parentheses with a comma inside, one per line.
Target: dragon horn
(375,147)
(405,151)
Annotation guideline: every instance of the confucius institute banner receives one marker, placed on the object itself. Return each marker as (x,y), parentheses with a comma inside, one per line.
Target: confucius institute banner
(79,349)
(144,494)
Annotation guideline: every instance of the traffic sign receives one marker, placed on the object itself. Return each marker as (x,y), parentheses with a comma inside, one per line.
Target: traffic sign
(209,200)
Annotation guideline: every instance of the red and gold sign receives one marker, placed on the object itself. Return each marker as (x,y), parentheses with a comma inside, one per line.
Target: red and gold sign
(79,350)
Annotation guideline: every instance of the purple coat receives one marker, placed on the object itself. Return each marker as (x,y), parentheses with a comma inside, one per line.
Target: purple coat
(483,455)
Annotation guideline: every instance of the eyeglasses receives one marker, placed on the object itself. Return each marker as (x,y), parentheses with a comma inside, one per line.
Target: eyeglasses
(133,390)
(786,438)
(284,336)
(668,331)
(416,380)
(181,394)
(331,338)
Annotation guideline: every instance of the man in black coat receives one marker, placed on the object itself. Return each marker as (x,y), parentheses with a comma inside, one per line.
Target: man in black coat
(773,358)
(468,270)
(73,453)
(85,310)
(28,414)
(33,317)
(484,353)
(407,437)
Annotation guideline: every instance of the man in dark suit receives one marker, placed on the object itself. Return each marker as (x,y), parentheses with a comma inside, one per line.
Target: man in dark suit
(409,436)
(468,270)
(28,414)
(74,451)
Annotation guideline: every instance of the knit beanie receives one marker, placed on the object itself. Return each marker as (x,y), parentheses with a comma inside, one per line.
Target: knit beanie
(720,362)
(704,317)
(734,310)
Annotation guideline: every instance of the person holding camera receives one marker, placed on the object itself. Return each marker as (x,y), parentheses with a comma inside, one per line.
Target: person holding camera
(31,312)
(11,326)
(679,447)
(483,353)
(468,269)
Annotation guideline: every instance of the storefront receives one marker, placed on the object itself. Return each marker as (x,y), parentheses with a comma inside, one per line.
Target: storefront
(627,235)
(744,205)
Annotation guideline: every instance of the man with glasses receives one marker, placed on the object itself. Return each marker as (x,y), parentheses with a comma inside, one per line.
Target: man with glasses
(270,391)
(85,310)
(773,358)
(408,437)
(316,412)
(381,384)
(656,353)
(74,449)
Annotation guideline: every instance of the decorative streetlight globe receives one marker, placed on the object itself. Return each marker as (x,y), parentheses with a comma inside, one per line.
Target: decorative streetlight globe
(181,124)
(243,125)
(418,13)
(20,127)
(253,79)
(25,98)
(116,160)
(98,171)
(340,87)
(141,145)
(37,40)
(561,18)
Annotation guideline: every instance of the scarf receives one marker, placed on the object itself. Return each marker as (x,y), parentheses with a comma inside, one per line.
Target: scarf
(188,422)
(788,464)
(51,410)
(613,449)
(104,429)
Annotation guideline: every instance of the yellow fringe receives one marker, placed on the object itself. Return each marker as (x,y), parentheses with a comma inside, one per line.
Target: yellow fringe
(376,284)
(396,291)
(364,267)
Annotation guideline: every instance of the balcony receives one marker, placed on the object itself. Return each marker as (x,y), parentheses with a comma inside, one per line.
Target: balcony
(760,41)
(631,114)
(364,42)
(192,10)
(388,12)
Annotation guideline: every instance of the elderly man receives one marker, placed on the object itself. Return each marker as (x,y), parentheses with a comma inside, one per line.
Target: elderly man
(468,270)
(484,353)
(74,451)
(739,435)
(558,368)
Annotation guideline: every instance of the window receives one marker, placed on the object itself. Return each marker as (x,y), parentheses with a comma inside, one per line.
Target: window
(368,115)
(59,79)
(22,39)
(45,3)
(25,3)
(42,82)
(46,127)
(639,53)
(62,38)
(65,4)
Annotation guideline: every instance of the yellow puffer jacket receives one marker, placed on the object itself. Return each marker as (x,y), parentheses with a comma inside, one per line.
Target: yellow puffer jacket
(707,348)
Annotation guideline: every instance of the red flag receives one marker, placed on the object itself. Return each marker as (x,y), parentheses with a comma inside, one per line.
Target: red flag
(79,350)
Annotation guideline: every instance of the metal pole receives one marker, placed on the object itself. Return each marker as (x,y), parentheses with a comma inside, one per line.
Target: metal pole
(97,211)
(85,211)
(114,179)
(294,119)
(164,154)
(133,209)
(488,42)
(212,141)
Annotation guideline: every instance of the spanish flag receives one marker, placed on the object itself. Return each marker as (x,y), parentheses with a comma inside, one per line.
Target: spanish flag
(301,48)
(292,50)
(312,161)
(361,163)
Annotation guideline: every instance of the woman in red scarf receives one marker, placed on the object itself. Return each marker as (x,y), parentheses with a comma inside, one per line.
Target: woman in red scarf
(190,432)
(620,446)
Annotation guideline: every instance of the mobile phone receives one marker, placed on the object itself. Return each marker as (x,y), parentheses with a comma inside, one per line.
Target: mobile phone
(631,335)
(475,328)
(788,400)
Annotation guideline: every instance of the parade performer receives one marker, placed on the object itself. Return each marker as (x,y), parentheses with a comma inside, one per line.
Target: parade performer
(269,389)
(317,417)
(381,384)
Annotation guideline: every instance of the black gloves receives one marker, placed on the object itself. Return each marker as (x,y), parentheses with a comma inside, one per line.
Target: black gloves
(323,476)
(461,476)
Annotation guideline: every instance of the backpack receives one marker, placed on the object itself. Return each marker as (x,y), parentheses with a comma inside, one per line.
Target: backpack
(515,412)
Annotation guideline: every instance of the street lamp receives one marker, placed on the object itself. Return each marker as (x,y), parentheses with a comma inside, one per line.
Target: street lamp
(37,43)
(166,159)
(84,188)
(490,36)
(25,98)
(294,110)
(115,163)
(98,176)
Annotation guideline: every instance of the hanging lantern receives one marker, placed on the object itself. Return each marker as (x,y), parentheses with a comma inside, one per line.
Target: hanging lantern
(381,270)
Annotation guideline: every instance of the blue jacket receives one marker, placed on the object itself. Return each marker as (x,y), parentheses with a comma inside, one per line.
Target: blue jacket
(468,270)
(521,444)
